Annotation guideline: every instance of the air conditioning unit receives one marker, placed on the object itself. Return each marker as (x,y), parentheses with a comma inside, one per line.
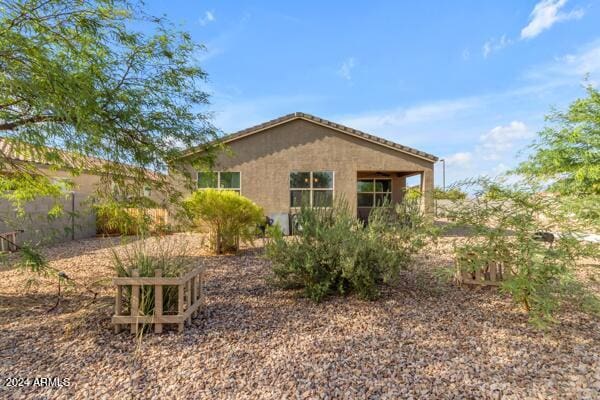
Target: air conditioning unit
(283,220)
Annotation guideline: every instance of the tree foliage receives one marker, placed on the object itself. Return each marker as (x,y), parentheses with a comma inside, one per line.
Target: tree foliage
(567,154)
(506,228)
(77,81)
(449,194)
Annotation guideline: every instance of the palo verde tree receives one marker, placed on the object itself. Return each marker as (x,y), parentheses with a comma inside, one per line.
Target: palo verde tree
(510,224)
(80,89)
(567,156)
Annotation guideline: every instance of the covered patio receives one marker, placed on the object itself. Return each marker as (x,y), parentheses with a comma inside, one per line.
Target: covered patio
(375,188)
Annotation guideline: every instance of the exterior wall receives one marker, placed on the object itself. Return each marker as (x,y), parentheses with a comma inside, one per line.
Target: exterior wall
(265,160)
(77,222)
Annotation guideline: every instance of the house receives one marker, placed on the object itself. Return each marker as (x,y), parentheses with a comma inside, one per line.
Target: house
(302,159)
(78,219)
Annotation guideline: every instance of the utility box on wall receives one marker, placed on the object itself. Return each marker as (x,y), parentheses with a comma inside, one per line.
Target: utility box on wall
(283,220)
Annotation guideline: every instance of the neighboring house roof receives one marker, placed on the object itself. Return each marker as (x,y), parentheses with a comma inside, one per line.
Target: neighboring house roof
(320,121)
(17,150)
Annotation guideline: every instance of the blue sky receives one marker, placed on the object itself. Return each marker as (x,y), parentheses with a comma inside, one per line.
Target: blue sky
(467,81)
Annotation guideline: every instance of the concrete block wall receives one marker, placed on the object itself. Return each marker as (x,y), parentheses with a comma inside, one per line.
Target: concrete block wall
(78,220)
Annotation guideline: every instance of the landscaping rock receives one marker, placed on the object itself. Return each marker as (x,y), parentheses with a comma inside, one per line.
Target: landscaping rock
(422,339)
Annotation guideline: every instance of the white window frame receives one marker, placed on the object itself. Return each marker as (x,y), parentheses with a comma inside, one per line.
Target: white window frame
(311,189)
(375,192)
(239,190)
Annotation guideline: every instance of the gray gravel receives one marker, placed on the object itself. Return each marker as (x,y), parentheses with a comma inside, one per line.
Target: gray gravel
(420,340)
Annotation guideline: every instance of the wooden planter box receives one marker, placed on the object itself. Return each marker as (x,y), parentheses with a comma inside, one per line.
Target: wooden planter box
(8,241)
(491,275)
(190,298)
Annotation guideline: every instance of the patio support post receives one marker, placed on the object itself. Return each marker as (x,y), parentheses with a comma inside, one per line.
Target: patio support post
(427,190)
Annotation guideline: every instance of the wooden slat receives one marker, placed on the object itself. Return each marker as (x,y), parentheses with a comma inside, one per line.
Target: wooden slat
(482,283)
(194,293)
(147,280)
(493,266)
(188,292)
(135,302)
(153,280)
(180,295)
(158,302)
(118,306)
(202,294)
(149,319)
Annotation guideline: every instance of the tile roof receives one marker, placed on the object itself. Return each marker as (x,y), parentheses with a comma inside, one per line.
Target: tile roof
(17,150)
(321,121)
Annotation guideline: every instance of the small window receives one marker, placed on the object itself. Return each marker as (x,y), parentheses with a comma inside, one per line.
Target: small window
(300,180)
(374,192)
(207,180)
(229,180)
(220,180)
(311,189)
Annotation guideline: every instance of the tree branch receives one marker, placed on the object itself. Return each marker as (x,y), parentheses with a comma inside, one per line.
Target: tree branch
(9,126)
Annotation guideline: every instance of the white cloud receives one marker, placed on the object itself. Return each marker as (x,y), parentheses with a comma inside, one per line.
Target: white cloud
(460,159)
(466,54)
(345,70)
(502,138)
(220,44)
(569,69)
(586,62)
(487,49)
(545,14)
(391,120)
(495,45)
(209,16)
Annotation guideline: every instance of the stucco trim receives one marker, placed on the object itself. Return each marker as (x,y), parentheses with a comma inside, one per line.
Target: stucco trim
(325,123)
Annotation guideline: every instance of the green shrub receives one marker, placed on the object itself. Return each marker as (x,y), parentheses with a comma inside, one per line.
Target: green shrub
(334,252)
(449,194)
(507,222)
(142,218)
(229,217)
(147,255)
(113,218)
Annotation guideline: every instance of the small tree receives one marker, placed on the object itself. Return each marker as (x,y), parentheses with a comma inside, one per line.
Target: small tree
(450,194)
(567,156)
(512,225)
(229,217)
(82,91)
(78,83)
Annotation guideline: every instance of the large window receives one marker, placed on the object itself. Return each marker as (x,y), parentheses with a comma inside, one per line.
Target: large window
(219,180)
(311,189)
(374,192)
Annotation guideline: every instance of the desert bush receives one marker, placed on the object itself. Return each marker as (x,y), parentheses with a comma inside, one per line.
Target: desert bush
(449,194)
(112,217)
(147,255)
(508,223)
(228,216)
(335,253)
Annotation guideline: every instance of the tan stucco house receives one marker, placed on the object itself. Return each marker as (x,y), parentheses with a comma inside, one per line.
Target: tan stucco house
(302,159)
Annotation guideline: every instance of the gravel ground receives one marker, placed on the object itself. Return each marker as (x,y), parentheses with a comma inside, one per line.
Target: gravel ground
(422,339)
